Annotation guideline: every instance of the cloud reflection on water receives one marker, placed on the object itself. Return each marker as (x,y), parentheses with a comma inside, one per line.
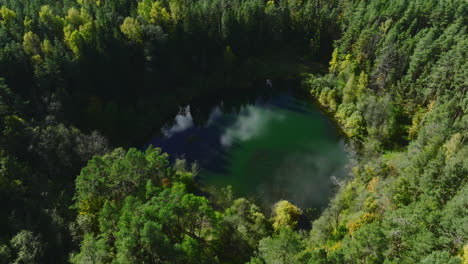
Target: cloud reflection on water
(182,122)
(250,123)
(286,151)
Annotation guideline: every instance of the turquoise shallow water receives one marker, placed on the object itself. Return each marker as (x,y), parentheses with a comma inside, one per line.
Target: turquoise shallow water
(271,149)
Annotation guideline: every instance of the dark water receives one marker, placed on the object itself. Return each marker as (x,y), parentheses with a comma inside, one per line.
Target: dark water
(273,148)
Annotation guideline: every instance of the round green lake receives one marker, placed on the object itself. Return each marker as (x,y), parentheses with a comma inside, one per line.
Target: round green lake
(281,147)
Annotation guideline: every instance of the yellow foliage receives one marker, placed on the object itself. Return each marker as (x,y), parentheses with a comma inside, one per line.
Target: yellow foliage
(327,98)
(6,15)
(323,97)
(36,59)
(13,119)
(270,3)
(415,124)
(331,100)
(353,125)
(335,246)
(356,171)
(28,23)
(74,42)
(47,17)
(86,31)
(178,9)
(90,207)
(78,29)
(47,47)
(384,26)
(417,119)
(431,106)
(285,215)
(334,61)
(165,182)
(159,15)
(369,170)
(12,124)
(83,2)
(360,221)
(342,113)
(31,43)
(465,254)
(74,17)
(67,31)
(371,203)
(362,84)
(349,91)
(144,9)
(372,185)
(18,182)
(350,119)
(452,146)
(345,66)
(132,30)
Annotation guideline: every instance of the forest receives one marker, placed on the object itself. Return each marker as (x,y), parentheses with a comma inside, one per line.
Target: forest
(83,82)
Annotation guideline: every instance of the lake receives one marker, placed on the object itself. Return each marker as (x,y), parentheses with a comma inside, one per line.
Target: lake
(273,147)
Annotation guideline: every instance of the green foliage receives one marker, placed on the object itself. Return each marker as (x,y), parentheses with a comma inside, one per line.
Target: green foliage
(281,248)
(241,229)
(27,246)
(136,200)
(31,44)
(51,23)
(441,257)
(398,50)
(396,87)
(92,251)
(365,246)
(117,174)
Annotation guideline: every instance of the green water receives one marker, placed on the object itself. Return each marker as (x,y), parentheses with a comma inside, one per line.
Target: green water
(290,156)
(280,148)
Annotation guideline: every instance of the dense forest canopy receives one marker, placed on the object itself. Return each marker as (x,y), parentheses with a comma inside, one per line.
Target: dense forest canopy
(396,85)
